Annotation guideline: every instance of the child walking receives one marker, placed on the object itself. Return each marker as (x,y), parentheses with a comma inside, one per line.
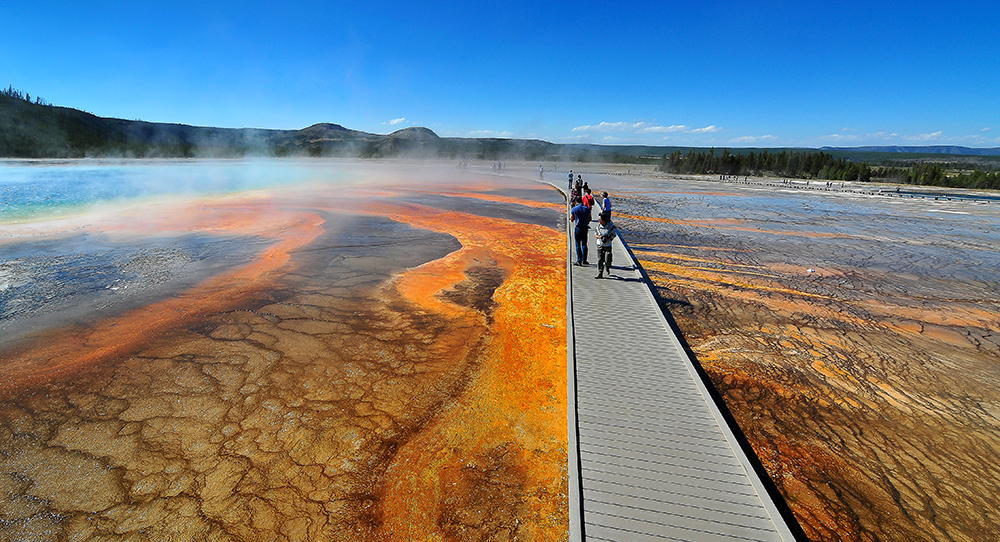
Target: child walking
(605,234)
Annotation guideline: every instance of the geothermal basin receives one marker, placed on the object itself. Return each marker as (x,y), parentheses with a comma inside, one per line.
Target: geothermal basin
(280,351)
(852,335)
(303,350)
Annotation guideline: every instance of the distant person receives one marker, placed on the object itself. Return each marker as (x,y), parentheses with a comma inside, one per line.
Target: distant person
(605,205)
(581,215)
(571,179)
(605,234)
(574,193)
(541,173)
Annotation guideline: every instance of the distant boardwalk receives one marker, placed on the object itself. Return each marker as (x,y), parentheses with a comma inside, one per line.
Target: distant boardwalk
(656,460)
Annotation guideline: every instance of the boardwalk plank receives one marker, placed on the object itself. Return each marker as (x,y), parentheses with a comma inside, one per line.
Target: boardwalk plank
(690,455)
(651,502)
(671,524)
(655,460)
(676,495)
(669,481)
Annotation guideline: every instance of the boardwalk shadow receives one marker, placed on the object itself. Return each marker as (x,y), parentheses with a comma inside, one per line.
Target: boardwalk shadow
(624,279)
(624,268)
(666,304)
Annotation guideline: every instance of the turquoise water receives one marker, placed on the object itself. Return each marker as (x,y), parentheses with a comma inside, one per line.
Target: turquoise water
(49,276)
(37,189)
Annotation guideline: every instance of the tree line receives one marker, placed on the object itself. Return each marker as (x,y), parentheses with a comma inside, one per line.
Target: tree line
(12,92)
(935,175)
(819,165)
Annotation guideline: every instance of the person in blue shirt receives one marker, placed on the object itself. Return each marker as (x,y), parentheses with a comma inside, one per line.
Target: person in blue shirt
(581,215)
(606,205)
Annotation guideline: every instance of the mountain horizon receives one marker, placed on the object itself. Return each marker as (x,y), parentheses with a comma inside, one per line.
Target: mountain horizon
(39,130)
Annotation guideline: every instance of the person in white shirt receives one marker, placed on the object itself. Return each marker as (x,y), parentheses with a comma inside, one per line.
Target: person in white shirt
(605,234)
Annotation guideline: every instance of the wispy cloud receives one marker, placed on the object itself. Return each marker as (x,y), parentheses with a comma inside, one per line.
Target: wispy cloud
(673,128)
(394,122)
(880,136)
(488,133)
(753,139)
(839,138)
(934,136)
(883,137)
(607,127)
(642,127)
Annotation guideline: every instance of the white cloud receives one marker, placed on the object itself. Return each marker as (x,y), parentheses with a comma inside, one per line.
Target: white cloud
(975,140)
(608,127)
(883,137)
(753,139)
(926,137)
(394,122)
(642,127)
(987,129)
(862,138)
(673,128)
(488,133)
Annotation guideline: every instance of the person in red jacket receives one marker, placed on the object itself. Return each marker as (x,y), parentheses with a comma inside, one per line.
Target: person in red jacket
(588,199)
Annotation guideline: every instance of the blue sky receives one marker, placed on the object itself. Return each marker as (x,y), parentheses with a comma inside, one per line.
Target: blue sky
(719,73)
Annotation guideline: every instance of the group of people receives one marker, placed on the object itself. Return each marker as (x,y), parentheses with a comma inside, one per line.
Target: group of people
(582,214)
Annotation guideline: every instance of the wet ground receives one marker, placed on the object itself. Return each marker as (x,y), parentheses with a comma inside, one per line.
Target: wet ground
(854,337)
(377,357)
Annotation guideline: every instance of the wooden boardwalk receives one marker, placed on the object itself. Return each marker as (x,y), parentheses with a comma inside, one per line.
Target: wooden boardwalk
(651,456)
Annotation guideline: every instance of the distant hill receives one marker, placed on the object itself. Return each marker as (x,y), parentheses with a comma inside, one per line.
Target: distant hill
(931,149)
(38,130)
(31,130)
